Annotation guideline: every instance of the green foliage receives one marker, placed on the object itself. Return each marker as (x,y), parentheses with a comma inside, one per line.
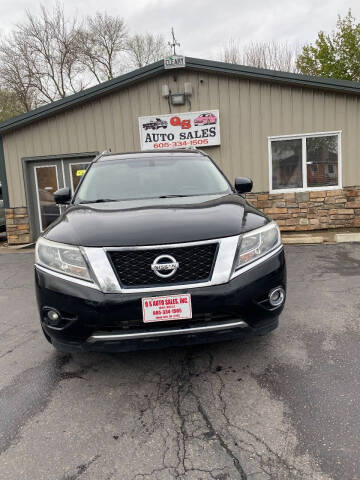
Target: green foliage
(334,55)
(9,105)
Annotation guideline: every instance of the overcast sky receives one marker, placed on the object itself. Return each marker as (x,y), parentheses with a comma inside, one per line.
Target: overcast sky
(204,26)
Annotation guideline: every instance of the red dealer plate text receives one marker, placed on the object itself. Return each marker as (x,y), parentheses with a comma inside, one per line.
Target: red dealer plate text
(163,309)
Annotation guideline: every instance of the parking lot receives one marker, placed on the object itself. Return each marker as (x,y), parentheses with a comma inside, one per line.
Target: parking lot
(278,407)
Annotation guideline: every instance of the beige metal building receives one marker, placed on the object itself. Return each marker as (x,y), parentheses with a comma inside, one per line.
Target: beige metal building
(297,137)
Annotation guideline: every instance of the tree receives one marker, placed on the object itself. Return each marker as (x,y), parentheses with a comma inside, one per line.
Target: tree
(271,55)
(50,55)
(335,54)
(15,77)
(103,41)
(9,105)
(40,58)
(145,49)
(232,53)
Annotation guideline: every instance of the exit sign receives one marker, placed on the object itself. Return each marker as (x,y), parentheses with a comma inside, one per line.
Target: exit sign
(174,61)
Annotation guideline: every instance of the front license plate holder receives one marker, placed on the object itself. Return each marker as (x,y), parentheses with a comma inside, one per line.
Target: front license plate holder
(166,308)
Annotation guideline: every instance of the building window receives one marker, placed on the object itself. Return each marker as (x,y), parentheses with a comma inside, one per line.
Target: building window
(305,162)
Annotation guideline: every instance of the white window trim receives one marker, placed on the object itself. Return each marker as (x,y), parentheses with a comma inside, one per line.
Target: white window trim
(303,137)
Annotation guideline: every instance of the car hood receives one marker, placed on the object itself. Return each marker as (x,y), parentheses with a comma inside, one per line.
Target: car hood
(155,221)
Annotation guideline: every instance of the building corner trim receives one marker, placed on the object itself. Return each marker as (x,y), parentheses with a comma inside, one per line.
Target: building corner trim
(5,191)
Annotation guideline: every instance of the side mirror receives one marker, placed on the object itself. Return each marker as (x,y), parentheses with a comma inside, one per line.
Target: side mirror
(62,196)
(243,184)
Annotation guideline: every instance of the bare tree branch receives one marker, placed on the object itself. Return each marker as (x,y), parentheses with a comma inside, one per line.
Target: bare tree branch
(103,40)
(50,55)
(145,49)
(272,55)
(44,51)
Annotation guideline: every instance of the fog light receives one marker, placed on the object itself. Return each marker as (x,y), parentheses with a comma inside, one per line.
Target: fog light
(277,297)
(53,317)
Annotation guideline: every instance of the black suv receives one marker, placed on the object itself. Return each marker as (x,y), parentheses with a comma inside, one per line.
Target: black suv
(155,249)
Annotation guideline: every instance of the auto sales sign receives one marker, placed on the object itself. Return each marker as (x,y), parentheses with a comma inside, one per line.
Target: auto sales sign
(180,130)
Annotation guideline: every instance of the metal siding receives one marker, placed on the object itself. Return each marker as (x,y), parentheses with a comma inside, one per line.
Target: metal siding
(250,111)
(234,127)
(303,101)
(350,174)
(257,153)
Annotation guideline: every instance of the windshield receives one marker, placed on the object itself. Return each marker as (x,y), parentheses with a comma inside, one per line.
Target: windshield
(151,177)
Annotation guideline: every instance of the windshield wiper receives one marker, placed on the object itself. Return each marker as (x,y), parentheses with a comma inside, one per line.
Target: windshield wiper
(175,196)
(98,200)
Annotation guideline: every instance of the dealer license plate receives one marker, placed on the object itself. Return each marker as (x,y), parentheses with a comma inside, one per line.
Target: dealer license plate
(163,309)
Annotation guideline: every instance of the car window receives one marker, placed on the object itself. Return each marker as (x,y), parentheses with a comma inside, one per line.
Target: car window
(151,177)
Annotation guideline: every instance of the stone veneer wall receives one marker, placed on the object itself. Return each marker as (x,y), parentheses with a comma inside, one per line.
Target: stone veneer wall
(17,225)
(311,210)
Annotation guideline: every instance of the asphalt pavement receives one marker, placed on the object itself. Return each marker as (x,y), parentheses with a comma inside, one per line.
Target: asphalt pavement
(284,406)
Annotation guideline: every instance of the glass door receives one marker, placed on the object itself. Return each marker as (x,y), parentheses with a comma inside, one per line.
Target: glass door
(46,184)
(42,178)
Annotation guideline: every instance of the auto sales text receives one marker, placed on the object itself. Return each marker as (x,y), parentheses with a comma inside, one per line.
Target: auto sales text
(162,137)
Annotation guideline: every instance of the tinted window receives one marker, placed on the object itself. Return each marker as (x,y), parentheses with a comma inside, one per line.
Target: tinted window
(151,177)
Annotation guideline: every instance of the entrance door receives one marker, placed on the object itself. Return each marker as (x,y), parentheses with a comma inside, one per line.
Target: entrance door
(42,178)
(47,182)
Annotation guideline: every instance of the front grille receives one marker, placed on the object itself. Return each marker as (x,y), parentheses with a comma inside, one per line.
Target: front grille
(133,267)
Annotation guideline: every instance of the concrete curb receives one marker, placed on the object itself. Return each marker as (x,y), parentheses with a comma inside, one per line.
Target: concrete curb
(6,250)
(347,237)
(302,240)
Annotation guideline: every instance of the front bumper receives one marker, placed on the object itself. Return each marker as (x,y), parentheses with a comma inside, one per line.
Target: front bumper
(92,320)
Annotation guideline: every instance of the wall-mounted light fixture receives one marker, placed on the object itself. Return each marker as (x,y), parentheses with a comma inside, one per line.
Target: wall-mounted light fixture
(177,98)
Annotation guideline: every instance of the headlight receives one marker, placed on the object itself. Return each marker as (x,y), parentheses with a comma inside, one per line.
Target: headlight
(62,258)
(257,243)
